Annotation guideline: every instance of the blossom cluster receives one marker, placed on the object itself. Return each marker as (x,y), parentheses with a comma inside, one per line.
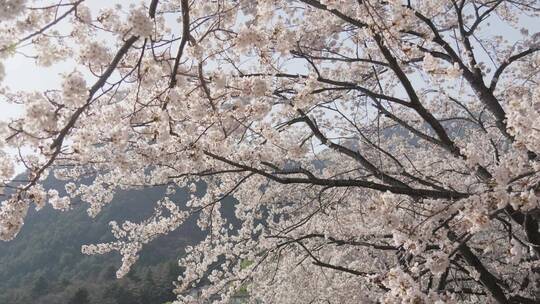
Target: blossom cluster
(9,9)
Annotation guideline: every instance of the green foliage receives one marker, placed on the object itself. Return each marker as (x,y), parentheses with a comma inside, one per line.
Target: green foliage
(245,263)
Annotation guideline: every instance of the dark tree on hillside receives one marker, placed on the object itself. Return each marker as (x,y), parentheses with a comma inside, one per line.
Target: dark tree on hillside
(40,286)
(80,297)
(109,273)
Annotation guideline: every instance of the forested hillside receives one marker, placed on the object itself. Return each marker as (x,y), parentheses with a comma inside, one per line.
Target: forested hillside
(44,264)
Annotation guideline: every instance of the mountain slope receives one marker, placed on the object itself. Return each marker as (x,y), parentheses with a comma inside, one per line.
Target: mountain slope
(44,264)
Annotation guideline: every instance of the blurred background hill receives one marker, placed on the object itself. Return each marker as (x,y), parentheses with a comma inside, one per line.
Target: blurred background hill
(44,264)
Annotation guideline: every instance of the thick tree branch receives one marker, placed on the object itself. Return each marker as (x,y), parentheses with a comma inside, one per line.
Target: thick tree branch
(345,182)
(507,63)
(185,38)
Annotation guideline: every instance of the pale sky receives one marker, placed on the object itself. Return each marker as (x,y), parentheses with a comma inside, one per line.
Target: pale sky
(23,74)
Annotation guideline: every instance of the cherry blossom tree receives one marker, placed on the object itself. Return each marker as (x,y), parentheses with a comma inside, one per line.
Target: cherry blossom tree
(378,151)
